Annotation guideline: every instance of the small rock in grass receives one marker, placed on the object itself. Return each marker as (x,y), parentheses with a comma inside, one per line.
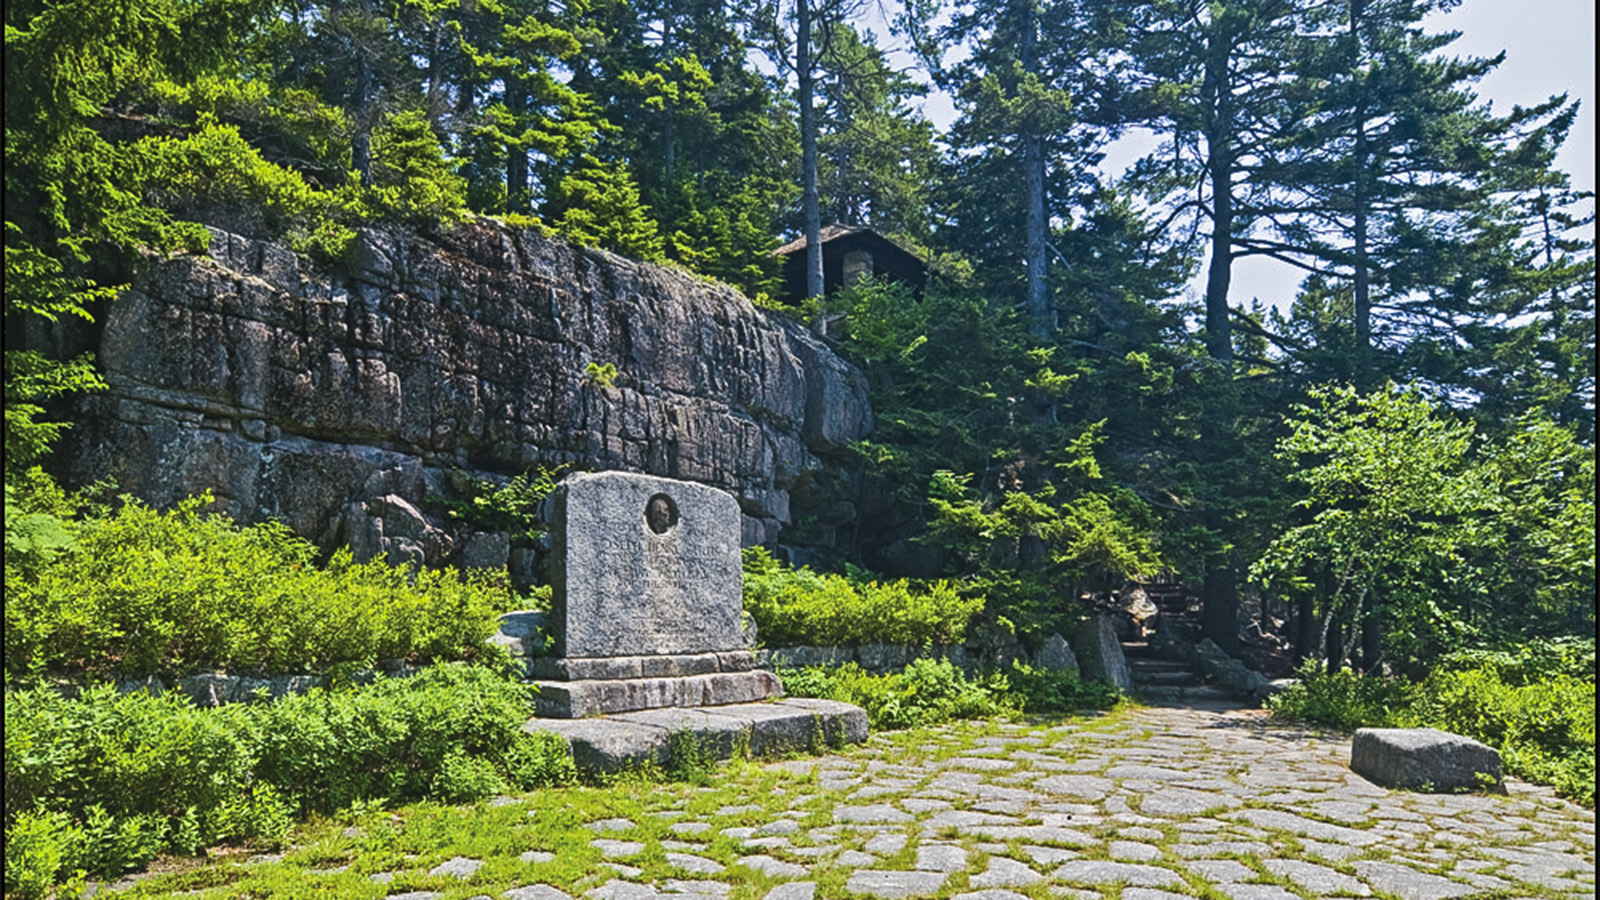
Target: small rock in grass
(611,825)
(713,890)
(617,849)
(698,865)
(537,856)
(457,867)
(535,892)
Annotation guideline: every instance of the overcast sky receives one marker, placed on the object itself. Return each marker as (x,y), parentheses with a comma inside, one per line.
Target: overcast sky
(1549,47)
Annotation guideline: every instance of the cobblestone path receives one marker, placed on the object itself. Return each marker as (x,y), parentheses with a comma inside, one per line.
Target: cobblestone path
(1161,803)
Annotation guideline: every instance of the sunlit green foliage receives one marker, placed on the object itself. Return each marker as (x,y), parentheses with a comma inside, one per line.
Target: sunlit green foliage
(799,606)
(139,591)
(103,782)
(930,691)
(1452,536)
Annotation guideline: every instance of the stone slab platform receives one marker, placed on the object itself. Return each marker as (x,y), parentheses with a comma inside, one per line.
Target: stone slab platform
(600,697)
(612,743)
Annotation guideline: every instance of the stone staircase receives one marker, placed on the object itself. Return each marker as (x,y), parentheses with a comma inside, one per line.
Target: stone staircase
(1166,681)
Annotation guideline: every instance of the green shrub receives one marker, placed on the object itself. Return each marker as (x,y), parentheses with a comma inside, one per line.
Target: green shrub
(1345,700)
(930,691)
(404,738)
(1034,690)
(1525,661)
(799,606)
(38,847)
(926,693)
(144,592)
(103,782)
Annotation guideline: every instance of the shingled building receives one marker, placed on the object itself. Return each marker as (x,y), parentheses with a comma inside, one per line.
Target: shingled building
(850,252)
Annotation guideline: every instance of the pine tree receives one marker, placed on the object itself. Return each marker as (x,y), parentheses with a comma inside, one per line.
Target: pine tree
(876,154)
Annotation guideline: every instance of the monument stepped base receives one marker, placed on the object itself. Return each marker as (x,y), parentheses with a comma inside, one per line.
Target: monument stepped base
(615,742)
(606,696)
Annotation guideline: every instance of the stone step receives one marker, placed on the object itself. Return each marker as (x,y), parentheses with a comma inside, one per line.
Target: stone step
(1173,694)
(1158,665)
(798,725)
(1174,677)
(1132,650)
(598,697)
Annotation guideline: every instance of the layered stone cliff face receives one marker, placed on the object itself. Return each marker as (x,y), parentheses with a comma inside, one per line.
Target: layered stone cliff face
(344,401)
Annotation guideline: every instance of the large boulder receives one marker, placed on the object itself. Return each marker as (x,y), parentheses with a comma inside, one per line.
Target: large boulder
(1423,759)
(1231,674)
(1100,653)
(1056,654)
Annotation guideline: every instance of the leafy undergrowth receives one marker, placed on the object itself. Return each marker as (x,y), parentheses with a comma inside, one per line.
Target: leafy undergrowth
(930,691)
(1533,701)
(138,592)
(102,783)
(799,606)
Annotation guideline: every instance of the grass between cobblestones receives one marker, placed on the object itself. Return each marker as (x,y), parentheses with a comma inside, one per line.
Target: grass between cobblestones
(1059,805)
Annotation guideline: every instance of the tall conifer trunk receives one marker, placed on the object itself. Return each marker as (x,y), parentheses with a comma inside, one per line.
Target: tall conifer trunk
(805,73)
(1360,200)
(518,197)
(1218,113)
(361,141)
(1220,614)
(1041,312)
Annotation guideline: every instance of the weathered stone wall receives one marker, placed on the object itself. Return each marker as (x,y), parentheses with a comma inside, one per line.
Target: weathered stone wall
(340,399)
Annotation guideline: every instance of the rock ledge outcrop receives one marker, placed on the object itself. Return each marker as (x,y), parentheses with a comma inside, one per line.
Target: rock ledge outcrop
(344,400)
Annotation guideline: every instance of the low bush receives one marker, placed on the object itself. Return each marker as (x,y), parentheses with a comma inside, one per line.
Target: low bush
(104,782)
(1525,701)
(1345,700)
(143,592)
(799,606)
(930,691)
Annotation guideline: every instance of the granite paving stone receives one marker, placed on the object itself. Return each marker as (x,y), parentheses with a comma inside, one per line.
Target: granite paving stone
(893,885)
(617,889)
(1407,883)
(710,890)
(536,856)
(854,858)
(771,867)
(1136,893)
(1220,870)
(887,844)
(697,865)
(1004,872)
(1256,892)
(1133,851)
(611,849)
(1317,879)
(941,858)
(870,813)
(1046,856)
(611,825)
(535,892)
(457,867)
(1095,871)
